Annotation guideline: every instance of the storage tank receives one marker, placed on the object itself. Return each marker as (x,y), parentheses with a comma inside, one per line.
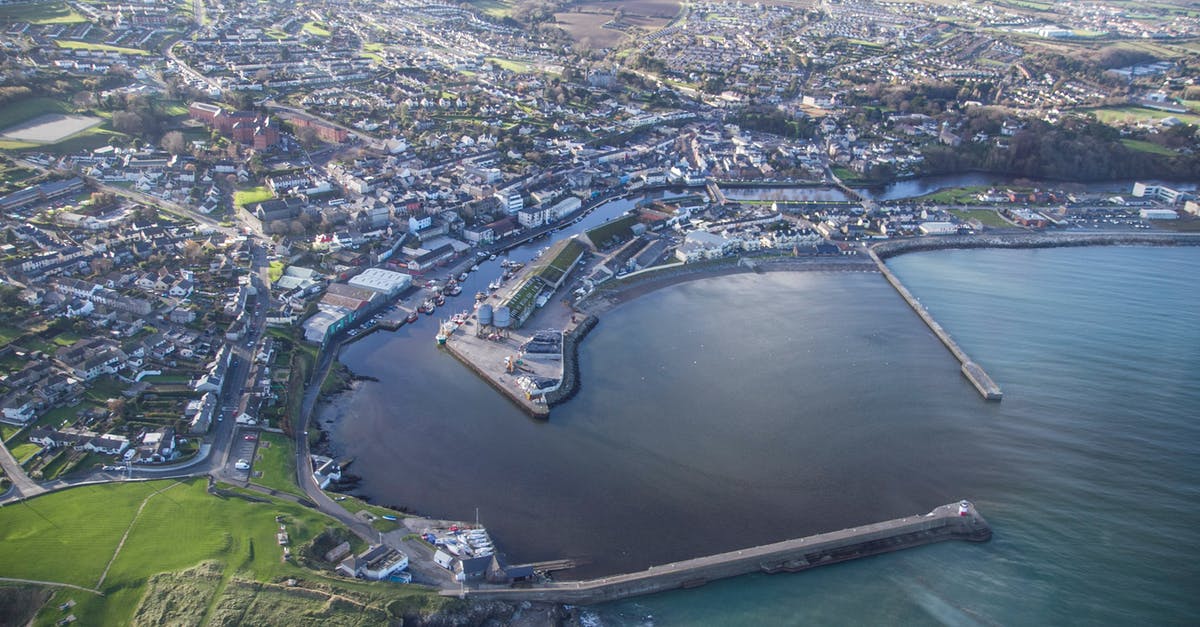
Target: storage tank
(485,315)
(502,318)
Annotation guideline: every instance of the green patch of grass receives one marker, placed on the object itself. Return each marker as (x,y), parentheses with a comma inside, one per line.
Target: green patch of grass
(7,431)
(495,8)
(8,334)
(519,67)
(1150,147)
(275,270)
(23,110)
(40,13)
(25,450)
(356,505)
(86,45)
(72,535)
(987,217)
(313,28)
(618,229)
(244,197)
(104,388)
(1117,115)
(277,462)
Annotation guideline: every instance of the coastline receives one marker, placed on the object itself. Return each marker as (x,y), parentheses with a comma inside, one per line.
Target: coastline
(890,248)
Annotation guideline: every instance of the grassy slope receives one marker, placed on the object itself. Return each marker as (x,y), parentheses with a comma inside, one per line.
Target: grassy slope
(23,110)
(70,536)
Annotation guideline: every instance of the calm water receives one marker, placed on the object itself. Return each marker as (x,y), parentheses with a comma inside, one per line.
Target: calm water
(729,412)
(1088,471)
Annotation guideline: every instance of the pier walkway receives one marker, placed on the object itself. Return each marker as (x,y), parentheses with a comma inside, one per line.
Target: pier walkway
(958,521)
(971,370)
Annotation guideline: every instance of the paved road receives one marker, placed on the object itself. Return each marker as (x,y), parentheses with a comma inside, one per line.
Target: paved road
(23,486)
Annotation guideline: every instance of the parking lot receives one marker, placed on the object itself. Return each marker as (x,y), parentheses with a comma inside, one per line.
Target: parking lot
(242,449)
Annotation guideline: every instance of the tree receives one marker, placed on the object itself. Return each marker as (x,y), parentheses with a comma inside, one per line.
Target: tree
(103,200)
(174,143)
(127,122)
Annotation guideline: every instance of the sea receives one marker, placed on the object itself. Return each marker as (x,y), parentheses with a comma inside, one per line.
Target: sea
(733,411)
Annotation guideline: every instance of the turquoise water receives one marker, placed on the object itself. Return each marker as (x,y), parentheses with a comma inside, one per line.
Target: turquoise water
(1088,471)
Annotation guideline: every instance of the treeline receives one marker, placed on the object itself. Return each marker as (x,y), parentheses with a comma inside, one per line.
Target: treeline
(1078,148)
(774,121)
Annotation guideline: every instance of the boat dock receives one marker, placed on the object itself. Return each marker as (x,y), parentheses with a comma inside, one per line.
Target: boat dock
(971,370)
(956,521)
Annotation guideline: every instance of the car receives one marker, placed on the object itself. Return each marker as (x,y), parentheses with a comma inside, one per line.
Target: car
(242,464)
(250,437)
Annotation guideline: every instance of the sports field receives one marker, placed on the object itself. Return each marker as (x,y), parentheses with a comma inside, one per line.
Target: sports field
(50,128)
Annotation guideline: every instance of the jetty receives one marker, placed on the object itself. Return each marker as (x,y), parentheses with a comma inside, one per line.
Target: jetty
(956,521)
(971,370)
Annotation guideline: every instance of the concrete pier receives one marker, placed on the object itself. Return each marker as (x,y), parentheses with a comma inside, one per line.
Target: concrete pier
(486,358)
(971,370)
(957,521)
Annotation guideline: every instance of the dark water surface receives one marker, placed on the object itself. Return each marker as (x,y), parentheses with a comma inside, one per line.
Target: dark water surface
(734,411)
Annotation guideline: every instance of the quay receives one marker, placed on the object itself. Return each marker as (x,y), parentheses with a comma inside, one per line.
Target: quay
(971,370)
(486,357)
(956,521)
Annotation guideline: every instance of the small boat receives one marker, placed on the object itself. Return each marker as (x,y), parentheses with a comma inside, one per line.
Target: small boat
(439,300)
(474,268)
(491,257)
(494,285)
(480,295)
(462,277)
(454,290)
(412,317)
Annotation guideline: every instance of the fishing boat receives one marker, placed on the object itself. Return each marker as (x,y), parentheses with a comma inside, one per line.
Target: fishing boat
(454,290)
(428,306)
(439,300)
(443,334)
(480,295)
(412,317)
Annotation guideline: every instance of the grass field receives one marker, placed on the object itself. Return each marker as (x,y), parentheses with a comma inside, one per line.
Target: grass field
(1150,147)
(313,28)
(277,462)
(244,197)
(1111,115)
(84,45)
(986,216)
(518,67)
(73,536)
(275,270)
(24,110)
(495,8)
(41,13)
(355,505)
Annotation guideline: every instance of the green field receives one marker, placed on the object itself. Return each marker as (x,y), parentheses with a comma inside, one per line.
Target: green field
(313,28)
(1111,115)
(74,536)
(84,45)
(40,13)
(22,110)
(1150,147)
(495,8)
(275,270)
(987,216)
(244,197)
(518,67)
(276,461)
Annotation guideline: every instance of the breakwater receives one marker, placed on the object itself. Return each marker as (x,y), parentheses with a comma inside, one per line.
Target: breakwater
(1059,239)
(570,366)
(473,352)
(958,521)
(971,370)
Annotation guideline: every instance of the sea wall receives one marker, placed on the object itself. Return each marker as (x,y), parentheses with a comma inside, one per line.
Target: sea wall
(947,522)
(1045,239)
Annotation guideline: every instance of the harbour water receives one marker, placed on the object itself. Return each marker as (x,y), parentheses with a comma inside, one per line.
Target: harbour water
(1088,471)
(729,412)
